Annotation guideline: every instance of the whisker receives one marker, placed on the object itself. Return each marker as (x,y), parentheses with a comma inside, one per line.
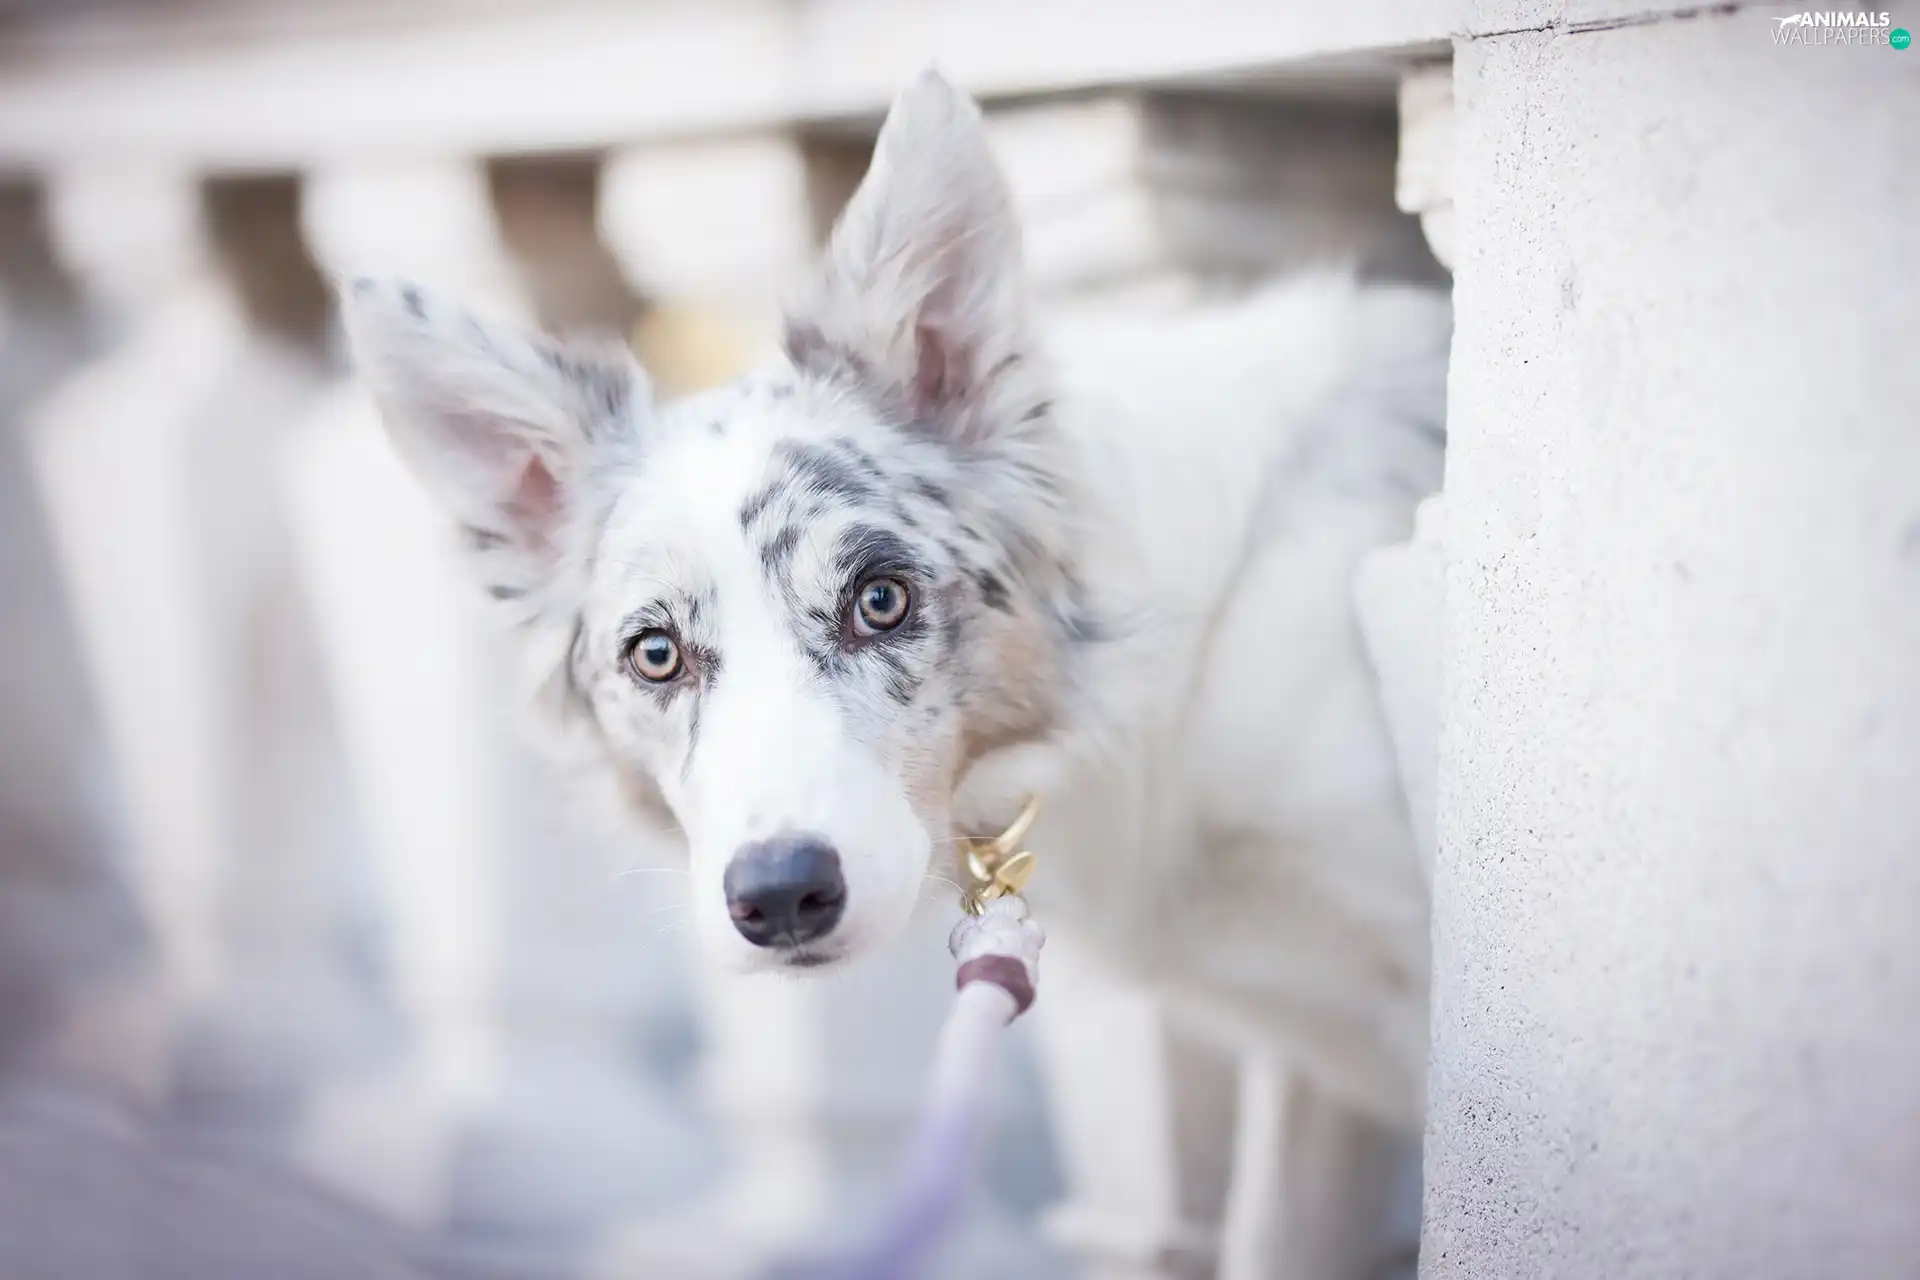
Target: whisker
(645,580)
(650,871)
(931,887)
(654,941)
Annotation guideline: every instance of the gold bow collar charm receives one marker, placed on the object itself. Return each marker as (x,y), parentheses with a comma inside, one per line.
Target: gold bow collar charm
(996,866)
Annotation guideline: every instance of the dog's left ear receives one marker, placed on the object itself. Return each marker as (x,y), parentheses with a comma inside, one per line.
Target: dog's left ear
(920,296)
(499,426)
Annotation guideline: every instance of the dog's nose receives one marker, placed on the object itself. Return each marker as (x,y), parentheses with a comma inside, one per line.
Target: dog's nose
(785,891)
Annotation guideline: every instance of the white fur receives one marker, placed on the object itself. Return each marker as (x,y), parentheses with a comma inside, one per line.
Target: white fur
(1236,465)
(1135,545)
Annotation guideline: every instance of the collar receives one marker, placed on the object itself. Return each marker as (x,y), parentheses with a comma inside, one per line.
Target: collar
(996,866)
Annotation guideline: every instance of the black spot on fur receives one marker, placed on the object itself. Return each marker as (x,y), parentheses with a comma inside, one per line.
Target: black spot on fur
(867,551)
(902,685)
(602,384)
(828,472)
(1007,365)
(951,631)
(993,591)
(1081,628)
(478,336)
(410,299)
(758,502)
(858,458)
(1076,623)
(971,534)
(807,347)
(776,554)
(824,648)
(500,591)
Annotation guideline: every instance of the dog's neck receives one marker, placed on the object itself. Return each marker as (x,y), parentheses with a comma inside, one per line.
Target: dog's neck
(1161,521)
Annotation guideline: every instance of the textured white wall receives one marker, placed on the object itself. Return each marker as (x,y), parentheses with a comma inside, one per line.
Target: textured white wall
(1677,969)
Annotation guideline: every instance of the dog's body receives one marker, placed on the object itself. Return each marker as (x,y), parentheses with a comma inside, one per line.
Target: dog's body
(827,617)
(1232,825)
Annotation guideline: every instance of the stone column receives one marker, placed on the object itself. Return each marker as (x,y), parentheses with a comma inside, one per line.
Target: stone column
(714,234)
(113,450)
(406,658)
(1676,966)
(293,1006)
(77,1000)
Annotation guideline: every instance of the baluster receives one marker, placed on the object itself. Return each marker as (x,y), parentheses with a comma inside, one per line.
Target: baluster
(113,450)
(83,1002)
(405,657)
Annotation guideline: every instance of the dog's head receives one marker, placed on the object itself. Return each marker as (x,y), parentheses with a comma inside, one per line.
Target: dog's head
(797,610)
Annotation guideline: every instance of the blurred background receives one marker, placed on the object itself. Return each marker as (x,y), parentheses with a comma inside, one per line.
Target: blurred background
(307,966)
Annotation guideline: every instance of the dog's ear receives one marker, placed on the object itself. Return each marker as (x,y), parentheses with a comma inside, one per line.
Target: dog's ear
(499,426)
(920,296)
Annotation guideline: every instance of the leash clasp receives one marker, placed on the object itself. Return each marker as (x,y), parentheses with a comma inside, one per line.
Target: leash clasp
(996,866)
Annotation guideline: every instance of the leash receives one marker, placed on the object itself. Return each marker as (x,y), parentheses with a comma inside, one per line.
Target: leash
(996,949)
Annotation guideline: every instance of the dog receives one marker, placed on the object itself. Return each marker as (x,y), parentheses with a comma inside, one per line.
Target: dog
(938,560)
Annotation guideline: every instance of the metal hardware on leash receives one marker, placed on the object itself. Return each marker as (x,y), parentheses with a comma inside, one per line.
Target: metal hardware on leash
(996,866)
(996,949)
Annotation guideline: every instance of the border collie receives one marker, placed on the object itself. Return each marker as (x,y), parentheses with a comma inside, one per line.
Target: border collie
(935,561)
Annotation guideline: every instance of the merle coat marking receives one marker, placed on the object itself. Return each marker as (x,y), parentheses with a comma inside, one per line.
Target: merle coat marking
(1128,553)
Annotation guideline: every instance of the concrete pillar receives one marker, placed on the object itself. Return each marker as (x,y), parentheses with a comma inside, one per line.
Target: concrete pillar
(76,1001)
(290,1008)
(128,518)
(1676,959)
(1143,1117)
(405,659)
(715,234)
(1145,202)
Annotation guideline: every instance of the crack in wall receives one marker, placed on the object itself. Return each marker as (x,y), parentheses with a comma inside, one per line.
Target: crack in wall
(1614,23)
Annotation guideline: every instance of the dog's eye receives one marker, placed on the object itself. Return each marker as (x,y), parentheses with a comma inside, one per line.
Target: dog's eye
(881,605)
(654,656)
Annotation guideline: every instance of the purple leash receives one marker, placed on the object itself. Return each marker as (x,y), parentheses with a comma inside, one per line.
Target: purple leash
(998,952)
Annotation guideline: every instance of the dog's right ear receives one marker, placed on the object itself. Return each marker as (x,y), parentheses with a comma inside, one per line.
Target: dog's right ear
(501,427)
(920,297)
